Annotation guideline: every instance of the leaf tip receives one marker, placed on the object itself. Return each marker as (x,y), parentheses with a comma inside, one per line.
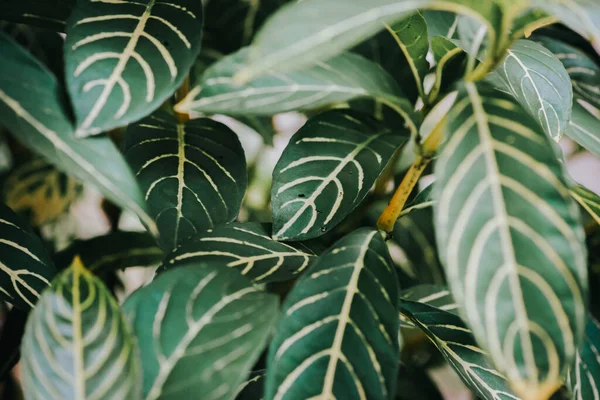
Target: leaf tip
(77,265)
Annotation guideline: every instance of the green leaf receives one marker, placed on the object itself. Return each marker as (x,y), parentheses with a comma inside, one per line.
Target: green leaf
(401,50)
(32,108)
(125,58)
(25,267)
(340,79)
(539,82)
(456,343)
(112,252)
(441,23)
(296,36)
(246,247)
(529,21)
(582,69)
(451,62)
(193,174)
(42,13)
(338,337)
(200,330)
(584,128)
(437,296)
(587,199)
(77,344)
(326,170)
(423,199)
(583,380)
(253,388)
(510,237)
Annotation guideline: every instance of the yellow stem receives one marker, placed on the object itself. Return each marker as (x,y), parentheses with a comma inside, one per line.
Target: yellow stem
(181,92)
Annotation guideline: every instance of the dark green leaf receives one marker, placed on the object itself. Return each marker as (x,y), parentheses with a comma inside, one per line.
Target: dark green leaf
(200,329)
(511,239)
(338,337)
(193,174)
(583,380)
(589,200)
(43,13)
(437,296)
(32,108)
(246,247)
(584,128)
(125,58)
(326,170)
(450,67)
(77,344)
(455,341)
(25,267)
(423,199)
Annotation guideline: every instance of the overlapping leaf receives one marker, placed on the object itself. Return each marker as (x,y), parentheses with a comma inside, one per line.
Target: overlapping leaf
(326,170)
(457,344)
(124,58)
(25,267)
(32,107)
(340,79)
(587,199)
(41,191)
(193,174)
(584,128)
(437,296)
(77,344)
(253,388)
(338,337)
(510,237)
(440,23)
(583,380)
(200,329)
(246,247)
(450,65)
(46,14)
(539,82)
(302,33)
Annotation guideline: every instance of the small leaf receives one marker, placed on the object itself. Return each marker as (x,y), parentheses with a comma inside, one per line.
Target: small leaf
(25,267)
(193,174)
(32,108)
(77,344)
(246,247)
(338,337)
(326,170)
(510,237)
(583,380)
(423,199)
(46,14)
(456,343)
(200,329)
(112,252)
(39,190)
(584,128)
(589,200)
(539,82)
(340,79)
(117,76)
(450,67)
(437,296)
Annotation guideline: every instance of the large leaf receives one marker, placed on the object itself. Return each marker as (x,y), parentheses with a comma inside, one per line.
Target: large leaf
(338,337)
(539,82)
(46,14)
(246,247)
(112,252)
(32,107)
(340,79)
(584,128)
(301,33)
(455,341)
(583,380)
(510,237)
(200,330)
(77,344)
(124,58)
(583,70)
(589,200)
(25,267)
(193,174)
(326,170)
(401,50)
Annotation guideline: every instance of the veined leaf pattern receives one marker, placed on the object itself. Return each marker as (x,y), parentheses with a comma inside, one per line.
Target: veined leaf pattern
(77,344)
(200,329)
(339,79)
(583,380)
(247,247)
(326,170)
(25,267)
(32,107)
(112,44)
(457,344)
(193,174)
(589,200)
(437,296)
(539,82)
(522,252)
(338,337)
(584,128)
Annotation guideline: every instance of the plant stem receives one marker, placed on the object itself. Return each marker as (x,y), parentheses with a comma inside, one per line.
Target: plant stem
(181,92)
